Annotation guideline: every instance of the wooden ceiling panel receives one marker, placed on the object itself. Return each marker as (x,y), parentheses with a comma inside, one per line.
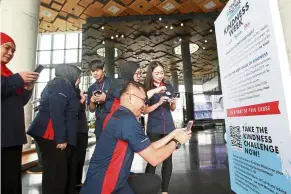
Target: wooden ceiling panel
(168,6)
(73,8)
(62,25)
(56,6)
(47,14)
(83,9)
(140,6)
(47,26)
(85,3)
(197,2)
(47,2)
(113,9)
(94,10)
(84,16)
(126,2)
(188,7)
(143,41)
(210,5)
(60,1)
(155,2)
(63,14)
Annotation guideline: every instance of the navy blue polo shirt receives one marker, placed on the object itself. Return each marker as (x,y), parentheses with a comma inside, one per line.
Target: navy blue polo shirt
(160,121)
(103,86)
(113,155)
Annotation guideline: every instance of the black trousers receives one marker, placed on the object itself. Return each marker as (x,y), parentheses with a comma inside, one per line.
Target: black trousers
(141,184)
(11,170)
(82,143)
(167,164)
(39,155)
(59,168)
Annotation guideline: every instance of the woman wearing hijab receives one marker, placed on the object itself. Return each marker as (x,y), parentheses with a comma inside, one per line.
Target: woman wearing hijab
(129,71)
(16,90)
(55,130)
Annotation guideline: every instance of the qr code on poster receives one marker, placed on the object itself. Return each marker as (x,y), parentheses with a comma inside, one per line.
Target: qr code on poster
(235,137)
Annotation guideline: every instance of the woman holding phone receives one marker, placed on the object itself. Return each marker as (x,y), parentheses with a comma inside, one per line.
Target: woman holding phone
(55,129)
(16,90)
(160,120)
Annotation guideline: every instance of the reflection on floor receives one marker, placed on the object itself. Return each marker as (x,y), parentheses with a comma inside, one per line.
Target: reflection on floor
(200,167)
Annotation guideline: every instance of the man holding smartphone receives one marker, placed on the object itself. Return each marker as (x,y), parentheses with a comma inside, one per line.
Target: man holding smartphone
(97,92)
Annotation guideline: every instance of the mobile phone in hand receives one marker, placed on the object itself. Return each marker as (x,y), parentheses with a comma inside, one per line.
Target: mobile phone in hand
(98,92)
(39,68)
(189,125)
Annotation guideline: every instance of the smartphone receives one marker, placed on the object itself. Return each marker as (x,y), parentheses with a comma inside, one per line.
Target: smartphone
(39,68)
(189,125)
(177,94)
(98,92)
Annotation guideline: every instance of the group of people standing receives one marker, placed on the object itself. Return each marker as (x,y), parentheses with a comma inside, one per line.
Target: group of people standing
(60,128)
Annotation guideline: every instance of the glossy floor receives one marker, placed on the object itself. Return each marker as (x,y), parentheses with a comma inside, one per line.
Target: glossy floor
(200,167)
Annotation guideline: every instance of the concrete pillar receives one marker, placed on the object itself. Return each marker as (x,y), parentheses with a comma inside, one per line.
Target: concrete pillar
(109,61)
(175,81)
(285,7)
(19,19)
(188,80)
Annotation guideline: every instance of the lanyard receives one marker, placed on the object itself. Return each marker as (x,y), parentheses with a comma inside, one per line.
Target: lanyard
(100,85)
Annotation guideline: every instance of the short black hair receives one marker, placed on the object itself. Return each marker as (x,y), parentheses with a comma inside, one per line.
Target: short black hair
(126,87)
(96,64)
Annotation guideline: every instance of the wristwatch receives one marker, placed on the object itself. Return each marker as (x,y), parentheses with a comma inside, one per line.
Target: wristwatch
(178,144)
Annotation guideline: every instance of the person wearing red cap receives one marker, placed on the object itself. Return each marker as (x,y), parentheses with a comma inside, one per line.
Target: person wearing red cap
(16,90)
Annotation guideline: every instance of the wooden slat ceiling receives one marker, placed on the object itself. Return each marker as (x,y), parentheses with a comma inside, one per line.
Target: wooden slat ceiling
(143,40)
(70,15)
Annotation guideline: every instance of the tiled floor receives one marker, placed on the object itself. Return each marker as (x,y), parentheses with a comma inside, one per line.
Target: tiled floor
(200,167)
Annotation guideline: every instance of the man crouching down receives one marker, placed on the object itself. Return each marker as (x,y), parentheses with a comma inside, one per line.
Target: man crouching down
(122,137)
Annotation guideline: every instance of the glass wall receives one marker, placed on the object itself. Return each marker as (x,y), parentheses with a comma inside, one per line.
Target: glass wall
(206,106)
(54,49)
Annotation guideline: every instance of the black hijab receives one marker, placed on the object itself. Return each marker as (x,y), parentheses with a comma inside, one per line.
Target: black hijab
(69,72)
(128,69)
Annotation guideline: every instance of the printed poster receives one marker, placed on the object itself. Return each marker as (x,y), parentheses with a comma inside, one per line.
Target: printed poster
(256,86)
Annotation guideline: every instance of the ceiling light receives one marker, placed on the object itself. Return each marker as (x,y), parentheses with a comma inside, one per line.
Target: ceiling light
(166,26)
(182,24)
(46,13)
(180,39)
(160,19)
(102,27)
(210,5)
(112,37)
(205,41)
(116,35)
(203,48)
(103,42)
(169,6)
(210,30)
(171,27)
(113,9)
(122,36)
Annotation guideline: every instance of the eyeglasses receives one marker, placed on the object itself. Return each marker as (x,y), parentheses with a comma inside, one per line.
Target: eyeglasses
(143,99)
